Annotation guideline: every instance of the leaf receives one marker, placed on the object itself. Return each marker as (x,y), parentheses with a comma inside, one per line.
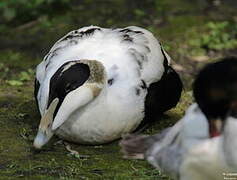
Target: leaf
(9,13)
(24,76)
(225,37)
(14,83)
(211,25)
(200,58)
(139,12)
(39,2)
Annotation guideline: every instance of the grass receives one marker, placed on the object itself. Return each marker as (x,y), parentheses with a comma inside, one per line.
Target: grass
(23,45)
(19,120)
(18,126)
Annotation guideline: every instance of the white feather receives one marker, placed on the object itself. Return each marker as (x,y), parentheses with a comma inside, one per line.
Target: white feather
(117,109)
(200,157)
(213,158)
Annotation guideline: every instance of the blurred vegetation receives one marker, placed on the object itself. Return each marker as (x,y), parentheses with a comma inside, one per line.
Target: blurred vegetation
(22,77)
(193,32)
(219,36)
(15,12)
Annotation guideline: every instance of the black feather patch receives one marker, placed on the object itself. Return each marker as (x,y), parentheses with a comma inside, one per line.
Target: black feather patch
(126,30)
(110,81)
(165,63)
(46,57)
(36,90)
(78,35)
(90,31)
(67,78)
(215,88)
(143,86)
(138,57)
(70,36)
(126,37)
(138,91)
(163,95)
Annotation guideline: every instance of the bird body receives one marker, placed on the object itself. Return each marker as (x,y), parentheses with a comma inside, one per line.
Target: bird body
(213,158)
(185,153)
(205,161)
(170,152)
(125,61)
(202,145)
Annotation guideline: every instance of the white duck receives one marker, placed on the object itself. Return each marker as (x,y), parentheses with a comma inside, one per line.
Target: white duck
(96,84)
(202,145)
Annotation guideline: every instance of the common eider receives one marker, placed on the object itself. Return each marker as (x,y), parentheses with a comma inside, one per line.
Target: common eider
(96,84)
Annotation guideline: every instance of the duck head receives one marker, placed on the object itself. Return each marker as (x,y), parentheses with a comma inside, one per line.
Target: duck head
(73,85)
(215,90)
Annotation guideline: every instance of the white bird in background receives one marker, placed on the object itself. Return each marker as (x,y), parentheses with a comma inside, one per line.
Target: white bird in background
(202,145)
(96,84)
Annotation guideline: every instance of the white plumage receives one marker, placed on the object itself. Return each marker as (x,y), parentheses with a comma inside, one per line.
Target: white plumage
(212,159)
(202,145)
(186,151)
(105,46)
(131,58)
(170,153)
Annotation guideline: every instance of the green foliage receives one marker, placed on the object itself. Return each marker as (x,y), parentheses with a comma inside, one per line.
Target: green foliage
(165,8)
(173,22)
(162,7)
(26,75)
(23,76)
(15,82)
(25,10)
(16,61)
(139,13)
(219,36)
(3,71)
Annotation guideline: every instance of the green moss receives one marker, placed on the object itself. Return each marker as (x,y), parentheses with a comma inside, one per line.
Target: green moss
(23,46)
(19,120)
(16,60)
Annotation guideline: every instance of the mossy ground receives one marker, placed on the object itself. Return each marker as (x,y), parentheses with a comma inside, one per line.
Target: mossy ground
(22,48)
(19,120)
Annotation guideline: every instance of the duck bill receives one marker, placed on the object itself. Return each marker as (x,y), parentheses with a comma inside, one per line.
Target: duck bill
(215,128)
(42,138)
(45,132)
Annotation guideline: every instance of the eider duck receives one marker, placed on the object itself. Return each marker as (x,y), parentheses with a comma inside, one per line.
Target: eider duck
(202,145)
(96,84)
